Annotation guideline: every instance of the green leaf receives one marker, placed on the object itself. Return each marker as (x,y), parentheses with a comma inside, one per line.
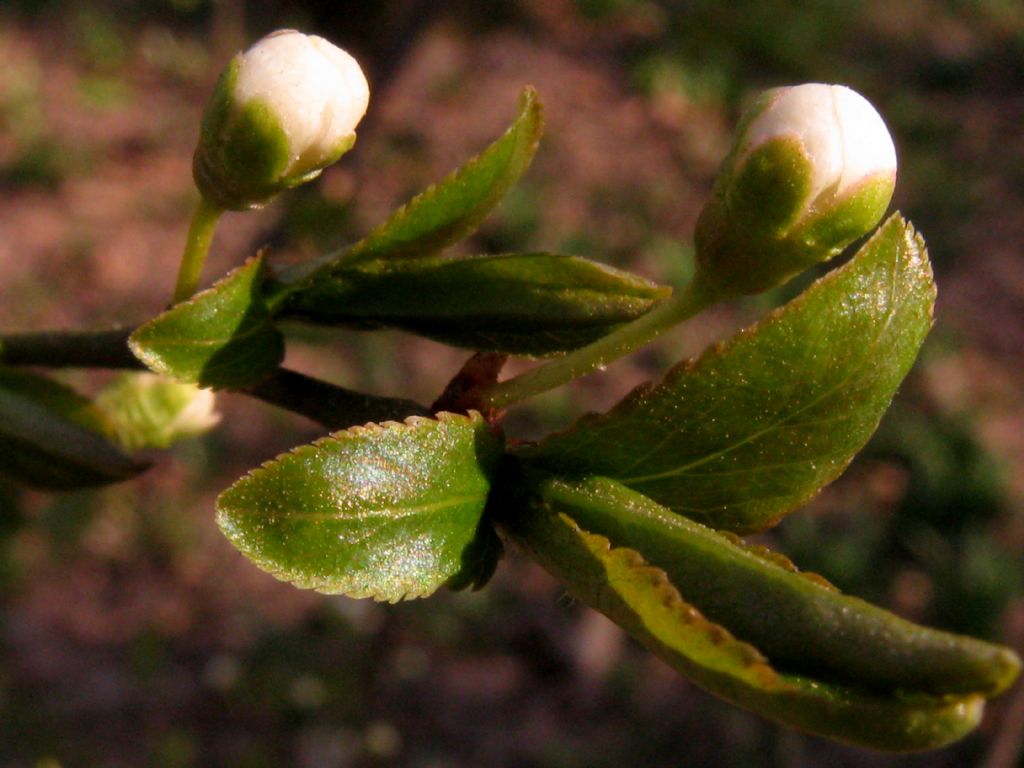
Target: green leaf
(445,213)
(390,511)
(221,338)
(640,598)
(800,622)
(449,211)
(756,426)
(51,437)
(524,303)
(56,397)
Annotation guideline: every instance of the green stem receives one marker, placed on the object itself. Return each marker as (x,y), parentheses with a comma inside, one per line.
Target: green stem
(333,406)
(200,235)
(681,306)
(69,349)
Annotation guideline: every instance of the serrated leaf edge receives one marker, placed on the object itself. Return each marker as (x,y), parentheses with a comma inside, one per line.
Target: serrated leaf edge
(530,109)
(758,673)
(136,341)
(472,418)
(296,279)
(915,248)
(154,360)
(368,429)
(685,613)
(644,286)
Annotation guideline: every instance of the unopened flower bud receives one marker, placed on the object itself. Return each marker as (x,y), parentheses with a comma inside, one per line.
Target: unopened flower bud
(149,411)
(282,111)
(812,169)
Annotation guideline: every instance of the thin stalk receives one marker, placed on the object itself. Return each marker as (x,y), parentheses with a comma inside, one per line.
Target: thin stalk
(333,406)
(197,246)
(674,310)
(69,349)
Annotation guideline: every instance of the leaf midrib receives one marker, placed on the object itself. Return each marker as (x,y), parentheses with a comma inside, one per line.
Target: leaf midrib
(894,309)
(369,513)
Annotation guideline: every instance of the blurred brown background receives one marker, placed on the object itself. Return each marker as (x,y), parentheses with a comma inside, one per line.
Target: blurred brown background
(132,634)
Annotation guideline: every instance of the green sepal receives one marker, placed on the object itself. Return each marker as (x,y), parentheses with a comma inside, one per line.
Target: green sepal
(222,337)
(770,189)
(799,621)
(640,598)
(847,218)
(760,228)
(391,511)
(53,438)
(241,150)
(521,303)
(442,215)
(244,157)
(756,426)
(451,210)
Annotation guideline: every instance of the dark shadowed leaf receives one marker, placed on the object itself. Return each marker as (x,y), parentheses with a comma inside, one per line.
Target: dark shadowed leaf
(754,427)
(51,437)
(221,338)
(390,511)
(522,303)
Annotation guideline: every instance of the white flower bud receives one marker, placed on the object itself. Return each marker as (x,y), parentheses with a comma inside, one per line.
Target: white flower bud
(149,411)
(197,417)
(282,111)
(842,135)
(812,169)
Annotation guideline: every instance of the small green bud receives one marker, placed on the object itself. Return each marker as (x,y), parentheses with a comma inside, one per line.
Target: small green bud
(812,169)
(281,112)
(149,411)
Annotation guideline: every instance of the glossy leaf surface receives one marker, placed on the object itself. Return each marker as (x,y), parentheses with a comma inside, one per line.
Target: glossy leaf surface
(390,511)
(800,622)
(51,437)
(754,427)
(221,338)
(524,303)
(640,598)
